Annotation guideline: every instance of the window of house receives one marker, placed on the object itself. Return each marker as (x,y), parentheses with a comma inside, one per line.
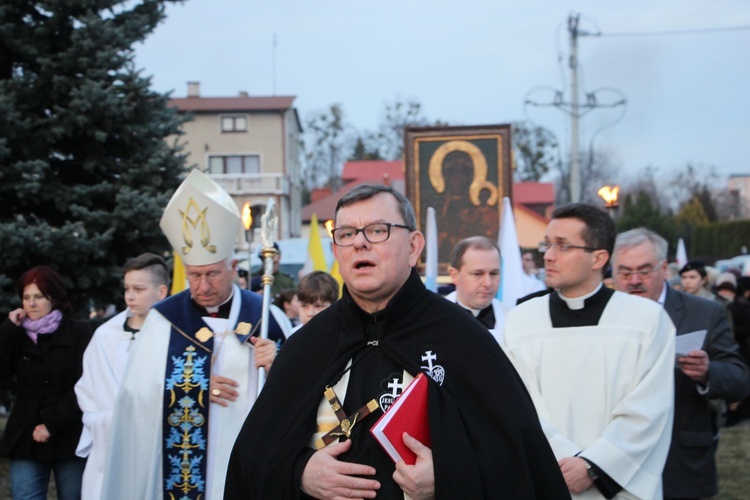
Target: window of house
(234,123)
(234,164)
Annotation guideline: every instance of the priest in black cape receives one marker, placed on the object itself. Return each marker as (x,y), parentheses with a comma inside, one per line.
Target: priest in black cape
(486,438)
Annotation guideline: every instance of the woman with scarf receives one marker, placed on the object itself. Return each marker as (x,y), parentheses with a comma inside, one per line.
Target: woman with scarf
(43,348)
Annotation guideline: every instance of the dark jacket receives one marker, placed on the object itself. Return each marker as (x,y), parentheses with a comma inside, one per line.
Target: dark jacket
(45,375)
(690,471)
(740,310)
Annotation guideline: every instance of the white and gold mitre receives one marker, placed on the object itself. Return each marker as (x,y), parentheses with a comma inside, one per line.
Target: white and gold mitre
(201,221)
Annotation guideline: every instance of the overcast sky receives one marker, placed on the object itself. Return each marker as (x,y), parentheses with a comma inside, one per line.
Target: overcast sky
(475,62)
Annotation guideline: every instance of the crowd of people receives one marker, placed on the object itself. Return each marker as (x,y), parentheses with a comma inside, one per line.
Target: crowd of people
(585,389)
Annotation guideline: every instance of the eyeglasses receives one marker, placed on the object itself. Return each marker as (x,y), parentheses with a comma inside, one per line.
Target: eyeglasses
(374,233)
(211,276)
(562,247)
(641,273)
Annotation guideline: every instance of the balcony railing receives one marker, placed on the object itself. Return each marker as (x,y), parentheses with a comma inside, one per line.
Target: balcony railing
(253,184)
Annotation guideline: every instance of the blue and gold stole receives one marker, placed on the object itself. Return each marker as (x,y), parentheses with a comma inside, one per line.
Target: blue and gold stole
(186,392)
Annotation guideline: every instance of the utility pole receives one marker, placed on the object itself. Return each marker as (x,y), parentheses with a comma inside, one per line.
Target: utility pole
(575,108)
(575,172)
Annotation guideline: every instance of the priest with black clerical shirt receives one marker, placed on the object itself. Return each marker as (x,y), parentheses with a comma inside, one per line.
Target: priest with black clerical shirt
(475,270)
(598,364)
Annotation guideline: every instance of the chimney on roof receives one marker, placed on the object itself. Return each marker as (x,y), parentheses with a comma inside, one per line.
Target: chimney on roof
(243,93)
(386,179)
(194,89)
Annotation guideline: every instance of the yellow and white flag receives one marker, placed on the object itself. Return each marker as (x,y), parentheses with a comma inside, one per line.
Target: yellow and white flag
(179,279)
(337,276)
(316,259)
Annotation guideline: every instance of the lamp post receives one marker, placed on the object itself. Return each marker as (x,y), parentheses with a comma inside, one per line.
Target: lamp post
(609,195)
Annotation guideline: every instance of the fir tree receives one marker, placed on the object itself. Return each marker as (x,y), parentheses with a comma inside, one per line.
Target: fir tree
(85,166)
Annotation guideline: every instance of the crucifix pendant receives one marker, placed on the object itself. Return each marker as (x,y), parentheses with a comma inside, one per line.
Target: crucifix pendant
(346,424)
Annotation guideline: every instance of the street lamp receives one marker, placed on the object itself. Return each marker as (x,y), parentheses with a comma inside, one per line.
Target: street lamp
(329,227)
(609,195)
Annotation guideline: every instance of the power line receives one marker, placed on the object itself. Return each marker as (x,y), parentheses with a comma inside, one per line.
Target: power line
(576,110)
(673,32)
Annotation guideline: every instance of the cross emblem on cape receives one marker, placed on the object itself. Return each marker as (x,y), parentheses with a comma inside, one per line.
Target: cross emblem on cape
(396,386)
(346,424)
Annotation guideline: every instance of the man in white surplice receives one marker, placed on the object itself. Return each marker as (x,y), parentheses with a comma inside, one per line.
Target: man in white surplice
(598,364)
(191,379)
(145,281)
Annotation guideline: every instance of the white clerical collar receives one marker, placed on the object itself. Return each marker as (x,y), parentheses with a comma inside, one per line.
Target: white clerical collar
(576,303)
(221,324)
(474,312)
(215,309)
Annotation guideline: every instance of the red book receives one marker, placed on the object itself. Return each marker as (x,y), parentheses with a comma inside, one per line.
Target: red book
(408,414)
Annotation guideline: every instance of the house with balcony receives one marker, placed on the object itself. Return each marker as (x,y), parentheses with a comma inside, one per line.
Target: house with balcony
(252,147)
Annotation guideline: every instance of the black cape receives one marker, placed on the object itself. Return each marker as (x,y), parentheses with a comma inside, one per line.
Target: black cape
(486,437)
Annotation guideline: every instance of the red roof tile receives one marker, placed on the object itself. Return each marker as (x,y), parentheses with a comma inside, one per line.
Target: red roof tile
(533,193)
(325,207)
(354,170)
(232,104)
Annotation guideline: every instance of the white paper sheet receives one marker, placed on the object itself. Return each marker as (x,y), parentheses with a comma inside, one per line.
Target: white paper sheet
(689,342)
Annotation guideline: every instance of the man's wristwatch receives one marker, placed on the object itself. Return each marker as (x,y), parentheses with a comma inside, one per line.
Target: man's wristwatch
(590,470)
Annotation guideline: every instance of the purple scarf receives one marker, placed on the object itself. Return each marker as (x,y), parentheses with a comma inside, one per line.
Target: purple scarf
(45,324)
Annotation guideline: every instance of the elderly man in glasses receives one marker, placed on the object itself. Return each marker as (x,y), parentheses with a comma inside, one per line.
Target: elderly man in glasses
(597,363)
(713,371)
(362,352)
